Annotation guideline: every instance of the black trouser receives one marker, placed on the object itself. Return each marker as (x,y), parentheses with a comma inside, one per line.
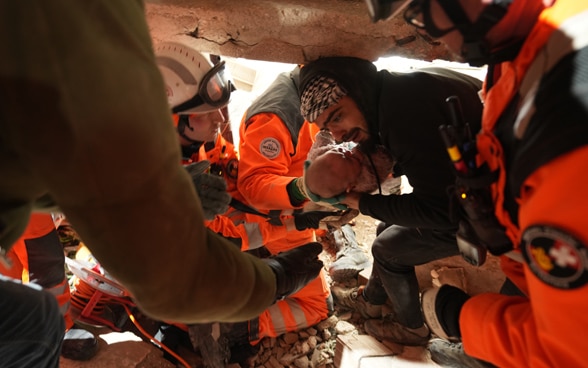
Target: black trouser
(31,327)
(46,260)
(397,250)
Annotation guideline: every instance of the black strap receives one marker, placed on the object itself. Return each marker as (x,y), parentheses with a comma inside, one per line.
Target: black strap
(273,216)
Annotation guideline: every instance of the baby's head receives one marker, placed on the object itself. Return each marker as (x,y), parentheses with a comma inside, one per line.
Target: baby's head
(341,169)
(334,172)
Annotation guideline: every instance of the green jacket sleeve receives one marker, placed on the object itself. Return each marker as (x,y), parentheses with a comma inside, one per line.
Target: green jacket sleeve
(91,127)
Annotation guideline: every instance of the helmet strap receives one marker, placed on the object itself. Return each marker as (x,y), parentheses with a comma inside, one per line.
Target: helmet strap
(183,123)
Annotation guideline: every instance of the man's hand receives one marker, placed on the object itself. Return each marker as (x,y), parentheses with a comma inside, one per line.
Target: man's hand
(312,219)
(295,268)
(211,189)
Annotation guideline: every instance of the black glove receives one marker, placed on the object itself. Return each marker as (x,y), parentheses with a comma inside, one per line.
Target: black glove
(441,309)
(295,268)
(211,189)
(311,219)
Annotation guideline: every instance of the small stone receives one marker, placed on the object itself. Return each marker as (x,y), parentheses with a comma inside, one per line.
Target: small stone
(327,323)
(312,341)
(344,327)
(290,338)
(287,359)
(302,362)
(305,347)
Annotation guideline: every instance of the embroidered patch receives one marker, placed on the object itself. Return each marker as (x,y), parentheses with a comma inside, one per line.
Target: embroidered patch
(270,148)
(555,257)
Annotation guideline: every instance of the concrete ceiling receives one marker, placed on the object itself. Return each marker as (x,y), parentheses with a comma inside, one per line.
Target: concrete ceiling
(288,31)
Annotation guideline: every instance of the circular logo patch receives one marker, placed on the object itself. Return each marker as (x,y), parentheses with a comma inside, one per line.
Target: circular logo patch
(270,148)
(555,257)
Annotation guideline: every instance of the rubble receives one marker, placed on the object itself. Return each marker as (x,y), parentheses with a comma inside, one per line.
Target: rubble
(313,347)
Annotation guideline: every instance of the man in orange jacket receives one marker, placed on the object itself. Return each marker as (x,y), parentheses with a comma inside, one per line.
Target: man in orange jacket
(534,141)
(274,142)
(201,141)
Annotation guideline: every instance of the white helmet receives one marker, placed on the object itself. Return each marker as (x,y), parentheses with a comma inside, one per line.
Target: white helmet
(192,83)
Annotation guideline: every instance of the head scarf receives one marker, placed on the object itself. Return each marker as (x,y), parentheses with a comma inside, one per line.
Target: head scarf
(325,81)
(320,93)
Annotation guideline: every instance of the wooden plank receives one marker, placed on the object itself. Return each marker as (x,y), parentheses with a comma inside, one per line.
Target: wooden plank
(361,351)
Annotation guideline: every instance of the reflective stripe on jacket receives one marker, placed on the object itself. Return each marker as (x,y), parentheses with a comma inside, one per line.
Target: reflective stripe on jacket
(273,151)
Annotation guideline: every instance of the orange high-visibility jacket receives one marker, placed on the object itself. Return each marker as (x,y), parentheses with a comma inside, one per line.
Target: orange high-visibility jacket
(249,231)
(542,99)
(274,143)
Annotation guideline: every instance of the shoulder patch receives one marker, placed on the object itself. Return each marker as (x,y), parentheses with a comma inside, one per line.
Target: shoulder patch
(270,148)
(555,257)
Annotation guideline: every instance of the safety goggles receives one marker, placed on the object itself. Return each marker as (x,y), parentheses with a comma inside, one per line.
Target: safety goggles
(215,90)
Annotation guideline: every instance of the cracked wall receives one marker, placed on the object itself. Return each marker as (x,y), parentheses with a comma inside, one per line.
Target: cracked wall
(293,31)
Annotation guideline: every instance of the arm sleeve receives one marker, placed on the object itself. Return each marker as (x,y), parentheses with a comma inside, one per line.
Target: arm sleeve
(253,233)
(105,149)
(407,210)
(265,169)
(543,330)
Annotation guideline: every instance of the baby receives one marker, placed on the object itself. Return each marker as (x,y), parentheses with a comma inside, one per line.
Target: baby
(335,169)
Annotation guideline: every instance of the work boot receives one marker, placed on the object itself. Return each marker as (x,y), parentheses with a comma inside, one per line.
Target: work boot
(79,344)
(451,355)
(354,299)
(350,259)
(389,330)
(238,335)
(212,344)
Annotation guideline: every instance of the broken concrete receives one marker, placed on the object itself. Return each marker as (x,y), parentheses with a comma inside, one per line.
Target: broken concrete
(294,31)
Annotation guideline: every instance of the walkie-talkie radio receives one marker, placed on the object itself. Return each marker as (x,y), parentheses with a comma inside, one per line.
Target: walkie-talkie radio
(479,230)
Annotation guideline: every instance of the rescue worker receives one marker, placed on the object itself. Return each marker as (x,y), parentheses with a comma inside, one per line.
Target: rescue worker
(201,141)
(401,111)
(101,116)
(534,138)
(38,257)
(274,142)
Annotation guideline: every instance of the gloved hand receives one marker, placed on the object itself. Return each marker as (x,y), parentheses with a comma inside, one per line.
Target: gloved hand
(441,308)
(211,189)
(295,268)
(311,219)
(342,218)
